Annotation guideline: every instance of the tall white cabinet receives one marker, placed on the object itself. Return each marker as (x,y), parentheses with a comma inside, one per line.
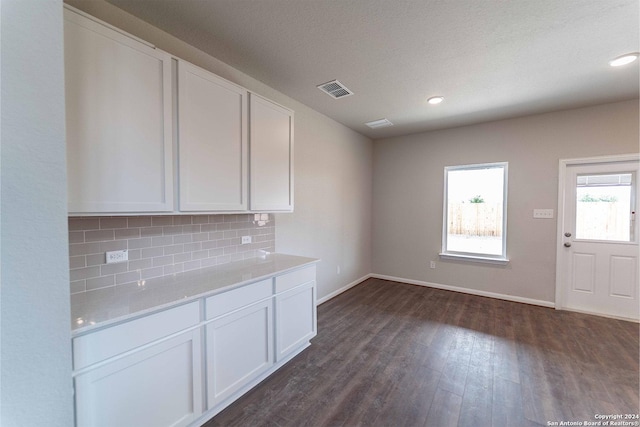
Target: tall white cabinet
(119,121)
(212,141)
(271,133)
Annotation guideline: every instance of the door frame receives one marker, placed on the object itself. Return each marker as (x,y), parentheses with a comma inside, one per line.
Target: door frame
(562,176)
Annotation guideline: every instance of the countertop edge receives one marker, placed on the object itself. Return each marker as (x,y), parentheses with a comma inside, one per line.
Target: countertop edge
(82,330)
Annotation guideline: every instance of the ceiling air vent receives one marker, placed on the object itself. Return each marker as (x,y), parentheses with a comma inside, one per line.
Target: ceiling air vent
(380,123)
(335,89)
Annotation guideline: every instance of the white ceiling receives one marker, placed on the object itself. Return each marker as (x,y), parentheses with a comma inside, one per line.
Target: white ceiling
(490,59)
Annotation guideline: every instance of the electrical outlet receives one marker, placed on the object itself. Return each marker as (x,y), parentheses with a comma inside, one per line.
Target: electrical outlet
(543,213)
(432,264)
(117,256)
(246,239)
(338,270)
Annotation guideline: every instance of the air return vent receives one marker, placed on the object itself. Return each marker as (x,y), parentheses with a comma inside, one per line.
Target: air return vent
(335,89)
(380,123)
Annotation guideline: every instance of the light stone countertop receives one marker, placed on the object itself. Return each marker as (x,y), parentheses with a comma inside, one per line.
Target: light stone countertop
(102,307)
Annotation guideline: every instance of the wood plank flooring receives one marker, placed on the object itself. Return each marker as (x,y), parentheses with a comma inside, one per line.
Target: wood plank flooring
(390,354)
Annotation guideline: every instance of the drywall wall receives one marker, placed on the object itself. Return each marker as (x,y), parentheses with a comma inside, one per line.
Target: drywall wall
(35,359)
(332,218)
(333,167)
(408,189)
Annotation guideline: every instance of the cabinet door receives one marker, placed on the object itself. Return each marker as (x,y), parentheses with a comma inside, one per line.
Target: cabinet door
(295,319)
(239,349)
(158,386)
(212,141)
(271,142)
(119,121)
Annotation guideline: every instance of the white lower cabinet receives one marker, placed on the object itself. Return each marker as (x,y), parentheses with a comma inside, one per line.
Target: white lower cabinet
(157,386)
(295,319)
(182,365)
(239,349)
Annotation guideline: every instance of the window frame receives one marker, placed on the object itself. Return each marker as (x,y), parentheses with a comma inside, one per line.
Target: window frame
(475,256)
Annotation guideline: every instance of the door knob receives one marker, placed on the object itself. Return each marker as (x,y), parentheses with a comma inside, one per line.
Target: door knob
(567,234)
(567,245)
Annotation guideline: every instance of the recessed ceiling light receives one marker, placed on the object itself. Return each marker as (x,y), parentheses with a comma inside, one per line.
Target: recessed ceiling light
(435,100)
(625,59)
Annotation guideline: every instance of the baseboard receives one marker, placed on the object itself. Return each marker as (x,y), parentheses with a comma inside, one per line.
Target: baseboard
(466,290)
(609,316)
(342,289)
(496,295)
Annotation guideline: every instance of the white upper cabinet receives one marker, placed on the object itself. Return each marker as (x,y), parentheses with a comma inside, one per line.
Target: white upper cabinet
(212,141)
(119,121)
(231,151)
(271,148)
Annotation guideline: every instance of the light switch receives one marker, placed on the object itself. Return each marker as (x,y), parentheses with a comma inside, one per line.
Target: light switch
(543,213)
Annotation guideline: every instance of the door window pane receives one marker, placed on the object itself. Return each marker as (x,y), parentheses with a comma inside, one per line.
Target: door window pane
(604,206)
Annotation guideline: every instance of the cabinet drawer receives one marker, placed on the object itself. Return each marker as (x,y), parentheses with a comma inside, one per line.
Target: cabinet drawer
(227,302)
(101,345)
(295,278)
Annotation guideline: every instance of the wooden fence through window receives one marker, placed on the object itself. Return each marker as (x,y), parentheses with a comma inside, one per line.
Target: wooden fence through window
(595,220)
(475,219)
(602,221)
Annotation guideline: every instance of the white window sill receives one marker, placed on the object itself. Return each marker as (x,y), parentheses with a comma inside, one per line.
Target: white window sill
(474,258)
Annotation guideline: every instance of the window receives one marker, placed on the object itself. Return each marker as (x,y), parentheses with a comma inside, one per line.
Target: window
(475,212)
(604,206)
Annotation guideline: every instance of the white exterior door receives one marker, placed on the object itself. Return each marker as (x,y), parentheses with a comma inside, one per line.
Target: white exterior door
(598,242)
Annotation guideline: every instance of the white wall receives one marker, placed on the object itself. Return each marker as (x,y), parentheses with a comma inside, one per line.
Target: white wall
(333,168)
(35,369)
(332,218)
(408,189)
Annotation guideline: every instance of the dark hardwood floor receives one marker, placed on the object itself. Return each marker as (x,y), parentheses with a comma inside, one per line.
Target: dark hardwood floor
(390,354)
